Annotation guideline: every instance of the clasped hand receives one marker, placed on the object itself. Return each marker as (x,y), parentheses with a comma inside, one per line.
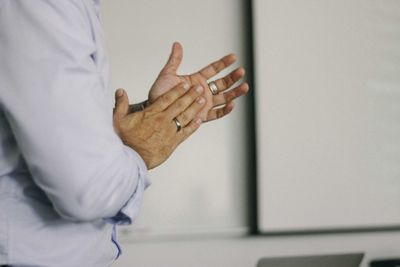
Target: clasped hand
(153,132)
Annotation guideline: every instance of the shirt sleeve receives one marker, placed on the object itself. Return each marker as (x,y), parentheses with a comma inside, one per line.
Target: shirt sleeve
(60,112)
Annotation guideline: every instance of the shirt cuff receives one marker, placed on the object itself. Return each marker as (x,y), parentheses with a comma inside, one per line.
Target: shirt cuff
(128,213)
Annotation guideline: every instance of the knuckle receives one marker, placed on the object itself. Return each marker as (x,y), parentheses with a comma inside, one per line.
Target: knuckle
(167,98)
(225,82)
(180,105)
(188,131)
(182,88)
(147,112)
(195,93)
(214,66)
(184,117)
(228,80)
(220,64)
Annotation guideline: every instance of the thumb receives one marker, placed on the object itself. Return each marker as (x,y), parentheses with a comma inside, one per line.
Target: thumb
(121,104)
(174,59)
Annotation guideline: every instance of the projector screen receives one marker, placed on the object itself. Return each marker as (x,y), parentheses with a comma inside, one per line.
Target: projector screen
(328,113)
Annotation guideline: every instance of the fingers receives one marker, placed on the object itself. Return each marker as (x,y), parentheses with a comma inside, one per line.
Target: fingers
(191,128)
(168,98)
(223,103)
(226,82)
(191,112)
(121,104)
(189,118)
(220,112)
(217,66)
(174,59)
(186,102)
(229,96)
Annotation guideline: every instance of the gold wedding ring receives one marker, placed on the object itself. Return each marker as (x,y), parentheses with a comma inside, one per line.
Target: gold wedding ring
(178,124)
(213,88)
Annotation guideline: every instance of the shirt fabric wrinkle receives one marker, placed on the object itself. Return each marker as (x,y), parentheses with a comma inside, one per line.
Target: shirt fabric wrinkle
(44,152)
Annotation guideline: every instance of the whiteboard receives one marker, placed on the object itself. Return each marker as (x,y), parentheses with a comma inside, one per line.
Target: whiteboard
(328,113)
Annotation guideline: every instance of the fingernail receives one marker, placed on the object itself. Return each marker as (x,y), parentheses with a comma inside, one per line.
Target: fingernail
(120,92)
(186,86)
(199,88)
(201,101)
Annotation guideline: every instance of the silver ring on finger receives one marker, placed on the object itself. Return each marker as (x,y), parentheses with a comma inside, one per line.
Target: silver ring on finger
(178,124)
(213,87)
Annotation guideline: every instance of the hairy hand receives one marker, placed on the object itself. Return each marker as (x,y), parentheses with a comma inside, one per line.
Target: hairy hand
(217,105)
(152,132)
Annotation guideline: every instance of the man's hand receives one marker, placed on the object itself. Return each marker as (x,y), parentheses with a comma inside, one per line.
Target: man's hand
(152,132)
(217,105)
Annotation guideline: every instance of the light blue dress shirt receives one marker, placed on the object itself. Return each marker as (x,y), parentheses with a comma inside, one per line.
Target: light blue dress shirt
(66,179)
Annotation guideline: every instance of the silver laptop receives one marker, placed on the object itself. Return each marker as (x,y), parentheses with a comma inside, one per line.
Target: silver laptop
(339,260)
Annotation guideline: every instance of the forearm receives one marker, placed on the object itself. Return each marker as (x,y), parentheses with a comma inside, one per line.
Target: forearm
(106,192)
